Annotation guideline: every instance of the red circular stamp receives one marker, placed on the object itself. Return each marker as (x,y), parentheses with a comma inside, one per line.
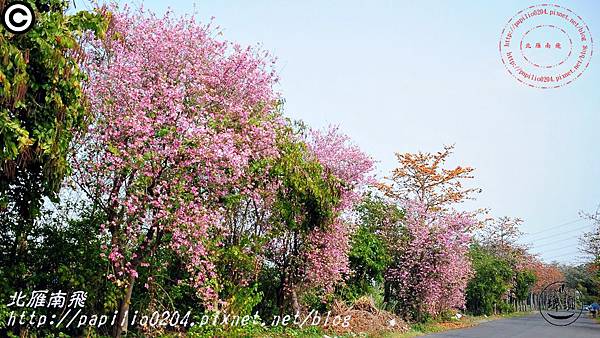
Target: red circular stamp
(546,46)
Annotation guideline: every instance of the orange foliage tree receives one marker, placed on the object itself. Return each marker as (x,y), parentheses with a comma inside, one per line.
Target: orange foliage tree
(545,273)
(422,177)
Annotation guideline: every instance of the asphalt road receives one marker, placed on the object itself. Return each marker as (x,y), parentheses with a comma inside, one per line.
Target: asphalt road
(533,326)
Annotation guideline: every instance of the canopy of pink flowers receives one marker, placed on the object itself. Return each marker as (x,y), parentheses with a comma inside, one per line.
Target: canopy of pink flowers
(179,115)
(432,267)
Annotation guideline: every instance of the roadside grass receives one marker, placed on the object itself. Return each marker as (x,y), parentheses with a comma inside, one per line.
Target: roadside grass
(421,329)
(418,329)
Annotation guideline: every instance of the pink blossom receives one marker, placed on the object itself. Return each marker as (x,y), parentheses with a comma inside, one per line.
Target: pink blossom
(179,116)
(326,255)
(431,267)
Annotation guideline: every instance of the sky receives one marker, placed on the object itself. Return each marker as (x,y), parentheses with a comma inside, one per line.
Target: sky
(400,76)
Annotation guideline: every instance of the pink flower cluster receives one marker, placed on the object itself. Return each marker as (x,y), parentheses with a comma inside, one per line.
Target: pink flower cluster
(327,253)
(431,266)
(178,118)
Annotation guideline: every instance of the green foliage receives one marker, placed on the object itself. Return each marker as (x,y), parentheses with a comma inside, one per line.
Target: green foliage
(209,331)
(41,98)
(64,257)
(524,281)
(269,285)
(42,105)
(237,263)
(308,195)
(243,301)
(368,255)
(585,279)
(306,199)
(492,280)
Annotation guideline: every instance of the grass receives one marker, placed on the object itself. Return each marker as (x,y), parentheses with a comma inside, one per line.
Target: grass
(422,329)
(418,329)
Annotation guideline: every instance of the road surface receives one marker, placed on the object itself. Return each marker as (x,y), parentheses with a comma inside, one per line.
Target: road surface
(531,326)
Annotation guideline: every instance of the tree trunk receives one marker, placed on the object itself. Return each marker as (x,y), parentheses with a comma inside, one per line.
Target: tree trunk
(281,294)
(123,318)
(295,304)
(386,291)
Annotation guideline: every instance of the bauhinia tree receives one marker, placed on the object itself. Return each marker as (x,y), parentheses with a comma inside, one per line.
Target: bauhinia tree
(430,267)
(321,181)
(179,119)
(293,228)
(327,255)
(305,200)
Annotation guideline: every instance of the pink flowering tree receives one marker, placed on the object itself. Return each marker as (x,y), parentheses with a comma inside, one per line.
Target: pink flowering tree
(179,118)
(327,253)
(430,268)
(321,177)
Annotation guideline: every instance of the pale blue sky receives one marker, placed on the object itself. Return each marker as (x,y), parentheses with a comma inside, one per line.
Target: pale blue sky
(403,76)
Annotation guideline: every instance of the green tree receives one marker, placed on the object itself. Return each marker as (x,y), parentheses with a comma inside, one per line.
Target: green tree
(524,281)
(492,280)
(305,200)
(368,256)
(583,278)
(42,105)
(42,102)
